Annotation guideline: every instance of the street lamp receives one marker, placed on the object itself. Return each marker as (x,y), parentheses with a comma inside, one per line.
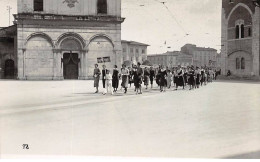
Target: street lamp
(256,2)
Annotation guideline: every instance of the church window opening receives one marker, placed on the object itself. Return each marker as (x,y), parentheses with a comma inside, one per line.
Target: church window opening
(237,63)
(249,32)
(237,31)
(38,5)
(102,7)
(243,63)
(242,31)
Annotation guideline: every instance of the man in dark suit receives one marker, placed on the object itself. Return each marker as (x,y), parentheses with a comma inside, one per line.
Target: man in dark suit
(104,71)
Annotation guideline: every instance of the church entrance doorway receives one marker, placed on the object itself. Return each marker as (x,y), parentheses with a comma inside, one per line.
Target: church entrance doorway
(71,66)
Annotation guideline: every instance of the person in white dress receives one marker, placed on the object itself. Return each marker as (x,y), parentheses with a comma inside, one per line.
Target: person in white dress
(108,83)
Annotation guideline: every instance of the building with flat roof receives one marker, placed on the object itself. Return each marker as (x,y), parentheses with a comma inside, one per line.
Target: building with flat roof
(201,56)
(171,59)
(134,51)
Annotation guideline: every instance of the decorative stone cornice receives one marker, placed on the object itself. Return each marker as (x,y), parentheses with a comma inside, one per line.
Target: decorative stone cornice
(91,18)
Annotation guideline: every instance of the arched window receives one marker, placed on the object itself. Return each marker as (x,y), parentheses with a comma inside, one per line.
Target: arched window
(237,31)
(102,7)
(237,63)
(242,31)
(243,64)
(38,5)
(249,32)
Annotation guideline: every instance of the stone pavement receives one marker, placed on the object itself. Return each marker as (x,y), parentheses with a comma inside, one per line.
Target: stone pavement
(221,120)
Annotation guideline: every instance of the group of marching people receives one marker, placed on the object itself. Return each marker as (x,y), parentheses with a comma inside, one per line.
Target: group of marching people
(165,77)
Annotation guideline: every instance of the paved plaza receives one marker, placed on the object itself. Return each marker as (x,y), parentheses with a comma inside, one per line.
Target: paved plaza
(65,118)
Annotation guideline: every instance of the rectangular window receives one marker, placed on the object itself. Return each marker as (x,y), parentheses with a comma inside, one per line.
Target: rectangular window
(143,51)
(124,49)
(38,5)
(136,50)
(131,50)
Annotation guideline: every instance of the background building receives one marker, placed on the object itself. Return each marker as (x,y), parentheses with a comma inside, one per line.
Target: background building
(166,59)
(171,59)
(8,52)
(201,56)
(189,55)
(64,39)
(240,37)
(134,51)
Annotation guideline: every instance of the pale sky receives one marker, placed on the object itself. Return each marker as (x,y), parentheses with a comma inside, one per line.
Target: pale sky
(149,21)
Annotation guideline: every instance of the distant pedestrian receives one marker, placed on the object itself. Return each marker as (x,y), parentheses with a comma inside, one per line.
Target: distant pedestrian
(96,76)
(146,77)
(179,78)
(163,79)
(140,74)
(152,76)
(198,77)
(104,71)
(125,78)
(108,85)
(169,79)
(115,78)
(191,77)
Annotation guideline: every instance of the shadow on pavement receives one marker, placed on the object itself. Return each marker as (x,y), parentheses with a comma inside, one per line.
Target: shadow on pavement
(251,155)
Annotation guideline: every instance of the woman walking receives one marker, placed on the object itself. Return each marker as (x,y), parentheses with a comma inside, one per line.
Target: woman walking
(96,76)
(125,78)
(163,81)
(198,77)
(152,76)
(146,77)
(115,79)
(137,81)
(169,79)
(191,78)
(179,78)
(108,83)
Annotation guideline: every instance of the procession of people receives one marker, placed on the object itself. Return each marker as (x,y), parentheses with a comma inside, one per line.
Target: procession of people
(166,78)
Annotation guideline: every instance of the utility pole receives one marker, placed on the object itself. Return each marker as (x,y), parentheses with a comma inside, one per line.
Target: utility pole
(9,10)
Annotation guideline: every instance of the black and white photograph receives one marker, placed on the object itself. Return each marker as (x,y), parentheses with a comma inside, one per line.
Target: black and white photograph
(145,79)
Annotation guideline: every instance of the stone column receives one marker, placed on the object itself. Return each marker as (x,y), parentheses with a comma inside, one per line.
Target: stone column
(21,64)
(60,65)
(57,65)
(224,45)
(86,64)
(82,69)
(255,42)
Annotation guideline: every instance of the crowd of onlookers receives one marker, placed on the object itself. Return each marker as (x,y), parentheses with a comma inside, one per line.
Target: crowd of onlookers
(165,77)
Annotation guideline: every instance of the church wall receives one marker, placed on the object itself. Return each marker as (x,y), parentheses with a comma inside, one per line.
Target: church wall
(80,7)
(231,46)
(7,51)
(48,65)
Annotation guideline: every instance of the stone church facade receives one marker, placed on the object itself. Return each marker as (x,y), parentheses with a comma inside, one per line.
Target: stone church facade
(240,38)
(63,39)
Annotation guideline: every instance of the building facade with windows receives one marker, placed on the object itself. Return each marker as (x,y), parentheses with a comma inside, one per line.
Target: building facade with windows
(63,39)
(171,59)
(240,38)
(201,56)
(134,51)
